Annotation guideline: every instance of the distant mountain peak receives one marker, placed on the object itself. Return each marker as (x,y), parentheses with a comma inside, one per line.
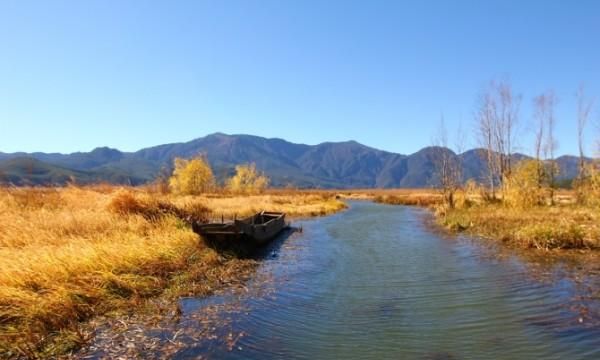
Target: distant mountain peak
(339,164)
(105,150)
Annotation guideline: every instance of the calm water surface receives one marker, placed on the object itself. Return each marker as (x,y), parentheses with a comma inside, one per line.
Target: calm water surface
(374,282)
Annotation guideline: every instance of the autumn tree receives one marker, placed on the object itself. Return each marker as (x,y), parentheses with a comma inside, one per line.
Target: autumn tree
(247,180)
(192,176)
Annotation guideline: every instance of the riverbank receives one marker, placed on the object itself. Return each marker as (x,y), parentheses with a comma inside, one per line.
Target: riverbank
(70,254)
(544,227)
(564,225)
(440,296)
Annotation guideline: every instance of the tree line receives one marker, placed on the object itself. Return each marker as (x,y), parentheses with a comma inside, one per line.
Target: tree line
(195,176)
(531,181)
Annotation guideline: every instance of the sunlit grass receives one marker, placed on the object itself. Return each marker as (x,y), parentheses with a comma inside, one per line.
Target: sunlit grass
(543,227)
(294,205)
(563,225)
(72,253)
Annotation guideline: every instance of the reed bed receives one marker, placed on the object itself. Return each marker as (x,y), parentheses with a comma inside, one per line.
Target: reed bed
(68,254)
(564,225)
(294,205)
(415,199)
(543,227)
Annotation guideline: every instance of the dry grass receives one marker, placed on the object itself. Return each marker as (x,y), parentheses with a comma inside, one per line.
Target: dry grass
(413,197)
(417,199)
(72,253)
(542,227)
(562,226)
(294,205)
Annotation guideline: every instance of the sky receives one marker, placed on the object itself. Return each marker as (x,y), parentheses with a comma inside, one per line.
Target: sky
(129,74)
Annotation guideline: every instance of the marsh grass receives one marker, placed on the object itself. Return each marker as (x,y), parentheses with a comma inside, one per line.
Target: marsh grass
(541,227)
(416,199)
(294,205)
(69,254)
(564,225)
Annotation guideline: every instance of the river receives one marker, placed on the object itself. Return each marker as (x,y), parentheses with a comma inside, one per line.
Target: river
(376,282)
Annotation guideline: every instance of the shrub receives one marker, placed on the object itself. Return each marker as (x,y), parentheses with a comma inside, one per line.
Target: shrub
(192,177)
(247,180)
(587,186)
(528,185)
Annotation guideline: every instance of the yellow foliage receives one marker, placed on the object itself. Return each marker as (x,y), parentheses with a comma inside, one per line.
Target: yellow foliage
(192,177)
(247,180)
(587,188)
(528,184)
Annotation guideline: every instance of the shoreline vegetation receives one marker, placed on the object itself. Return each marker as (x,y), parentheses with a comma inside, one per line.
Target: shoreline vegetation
(563,225)
(70,254)
(519,200)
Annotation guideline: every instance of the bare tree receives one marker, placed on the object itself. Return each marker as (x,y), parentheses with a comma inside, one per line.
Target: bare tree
(497,119)
(506,123)
(460,143)
(584,108)
(447,167)
(485,135)
(540,115)
(550,144)
(540,104)
(545,144)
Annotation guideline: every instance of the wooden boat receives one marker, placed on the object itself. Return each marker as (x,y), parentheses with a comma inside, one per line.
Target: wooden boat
(243,235)
(262,227)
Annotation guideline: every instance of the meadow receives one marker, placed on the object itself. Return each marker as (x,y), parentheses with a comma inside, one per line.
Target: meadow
(69,254)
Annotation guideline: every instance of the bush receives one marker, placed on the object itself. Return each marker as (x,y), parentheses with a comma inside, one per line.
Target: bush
(192,177)
(247,180)
(528,185)
(587,187)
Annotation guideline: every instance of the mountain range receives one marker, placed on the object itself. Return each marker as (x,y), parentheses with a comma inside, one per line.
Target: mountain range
(346,164)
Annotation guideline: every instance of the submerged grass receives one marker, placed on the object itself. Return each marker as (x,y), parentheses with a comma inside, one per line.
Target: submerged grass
(72,253)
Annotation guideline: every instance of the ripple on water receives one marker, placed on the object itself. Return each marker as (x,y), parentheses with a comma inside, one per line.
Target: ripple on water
(373,282)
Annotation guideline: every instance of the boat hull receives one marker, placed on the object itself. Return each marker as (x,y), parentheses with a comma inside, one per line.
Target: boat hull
(262,227)
(242,236)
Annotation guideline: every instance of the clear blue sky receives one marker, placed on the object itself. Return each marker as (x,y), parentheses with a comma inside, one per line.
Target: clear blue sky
(129,74)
